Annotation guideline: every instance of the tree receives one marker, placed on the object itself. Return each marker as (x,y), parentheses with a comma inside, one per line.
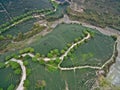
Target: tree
(76,40)
(85,32)
(14,65)
(11,87)
(17,71)
(2,65)
(9,36)
(49,55)
(20,36)
(26,83)
(114,37)
(37,55)
(62,51)
(31,50)
(25,63)
(34,59)
(68,45)
(42,55)
(56,51)
(69,54)
(1,88)
(40,84)
(42,62)
(28,71)
(7,58)
(15,56)
(57,61)
(2,37)
(21,51)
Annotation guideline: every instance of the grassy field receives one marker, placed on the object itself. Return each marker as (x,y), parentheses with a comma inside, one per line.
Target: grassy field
(58,38)
(58,80)
(94,52)
(7,77)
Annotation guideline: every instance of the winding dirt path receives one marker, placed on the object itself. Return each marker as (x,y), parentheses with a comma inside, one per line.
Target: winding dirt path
(20,86)
(106,31)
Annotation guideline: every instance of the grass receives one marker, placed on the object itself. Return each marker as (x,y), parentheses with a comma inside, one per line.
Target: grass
(95,52)
(7,77)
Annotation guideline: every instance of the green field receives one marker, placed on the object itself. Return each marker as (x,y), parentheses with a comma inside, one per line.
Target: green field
(95,52)
(7,77)
(79,80)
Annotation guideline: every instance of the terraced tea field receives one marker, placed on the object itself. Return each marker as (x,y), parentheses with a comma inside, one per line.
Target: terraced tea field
(7,77)
(58,38)
(94,52)
(80,79)
(11,9)
(58,55)
(19,28)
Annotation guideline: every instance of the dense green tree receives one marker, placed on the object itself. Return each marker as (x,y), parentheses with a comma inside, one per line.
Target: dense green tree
(40,84)
(1,88)
(76,40)
(26,83)
(49,55)
(34,59)
(25,63)
(7,58)
(114,37)
(62,51)
(42,62)
(9,36)
(11,87)
(37,55)
(28,71)
(2,65)
(2,37)
(17,71)
(14,65)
